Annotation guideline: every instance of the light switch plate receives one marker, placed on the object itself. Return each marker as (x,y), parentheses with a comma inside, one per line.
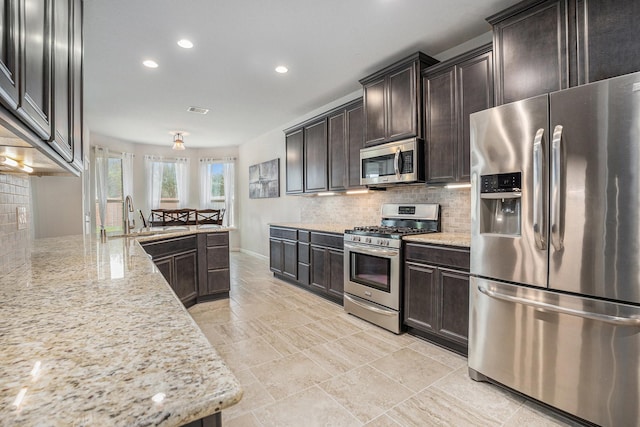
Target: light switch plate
(21,212)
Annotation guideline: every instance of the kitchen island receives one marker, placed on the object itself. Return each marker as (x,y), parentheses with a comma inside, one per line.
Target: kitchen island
(93,335)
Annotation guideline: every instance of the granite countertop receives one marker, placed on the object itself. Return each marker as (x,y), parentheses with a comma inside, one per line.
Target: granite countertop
(92,334)
(157,233)
(448,239)
(322,227)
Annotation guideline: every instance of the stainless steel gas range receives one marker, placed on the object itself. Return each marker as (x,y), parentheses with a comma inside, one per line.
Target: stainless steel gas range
(373,262)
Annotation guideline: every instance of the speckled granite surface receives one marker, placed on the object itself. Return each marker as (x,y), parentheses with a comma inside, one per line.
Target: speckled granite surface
(323,227)
(448,239)
(91,334)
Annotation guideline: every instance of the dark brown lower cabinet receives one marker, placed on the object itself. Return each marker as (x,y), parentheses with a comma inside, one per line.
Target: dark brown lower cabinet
(283,252)
(195,266)
(213,274)
(310,259)
(436,299)
(214,420)
(177,260)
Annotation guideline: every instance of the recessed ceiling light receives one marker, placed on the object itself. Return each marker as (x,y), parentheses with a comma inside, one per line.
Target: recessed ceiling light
(198,110)
(185,43)
(281,69)
(151,64)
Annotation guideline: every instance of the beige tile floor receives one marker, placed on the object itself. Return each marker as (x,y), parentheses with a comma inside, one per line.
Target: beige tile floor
(303,362)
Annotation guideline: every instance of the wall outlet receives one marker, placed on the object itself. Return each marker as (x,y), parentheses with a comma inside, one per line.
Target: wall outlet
(21,213)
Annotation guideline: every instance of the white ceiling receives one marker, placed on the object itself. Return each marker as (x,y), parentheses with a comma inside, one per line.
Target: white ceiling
(328,46)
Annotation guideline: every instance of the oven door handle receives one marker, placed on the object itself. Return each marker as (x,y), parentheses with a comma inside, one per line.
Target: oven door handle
(368,250)
(370,307)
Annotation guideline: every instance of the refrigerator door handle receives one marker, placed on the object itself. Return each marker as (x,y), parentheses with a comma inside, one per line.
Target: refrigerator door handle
(556,189)
(540,305)
(539,230)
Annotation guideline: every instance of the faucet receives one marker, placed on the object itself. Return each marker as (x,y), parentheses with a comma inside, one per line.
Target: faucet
(128,207)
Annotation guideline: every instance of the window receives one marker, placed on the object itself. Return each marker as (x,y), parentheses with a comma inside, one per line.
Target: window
(217,187)
(167,181)
(113,218)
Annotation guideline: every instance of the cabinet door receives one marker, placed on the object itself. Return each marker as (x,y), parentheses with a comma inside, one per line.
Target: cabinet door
(290,259)
(62,37)
(355,141)
(402,105)
(185,278)
(453,312)
(374,107)
(77,106)
(337,152)
(336,272)
(217,257)
(419,297)
(318,268)
(295,162)
(607,39)
(304,260)
(217,281)
(441,126)
(531,52)
(165,266)
(276,255)
(35,66)
(9,37)
(475,93)
(315,157)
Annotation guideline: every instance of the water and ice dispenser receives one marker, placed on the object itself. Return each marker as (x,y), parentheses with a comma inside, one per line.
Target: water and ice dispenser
(500,203)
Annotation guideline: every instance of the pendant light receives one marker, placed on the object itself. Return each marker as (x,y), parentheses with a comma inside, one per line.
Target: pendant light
(178,142)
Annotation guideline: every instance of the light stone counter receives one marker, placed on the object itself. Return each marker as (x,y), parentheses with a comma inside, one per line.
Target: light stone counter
(92,335)
(447,239)
(324,228)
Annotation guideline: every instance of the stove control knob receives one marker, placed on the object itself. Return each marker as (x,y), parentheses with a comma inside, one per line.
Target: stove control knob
(368,240)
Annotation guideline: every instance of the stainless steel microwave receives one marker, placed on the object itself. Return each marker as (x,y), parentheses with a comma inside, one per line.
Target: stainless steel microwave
(400,162)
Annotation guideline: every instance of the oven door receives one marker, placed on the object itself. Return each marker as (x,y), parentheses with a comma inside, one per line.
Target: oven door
(373,273)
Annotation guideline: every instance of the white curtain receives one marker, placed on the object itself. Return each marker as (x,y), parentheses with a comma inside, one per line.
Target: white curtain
(205,183)
(229,190)
(154,168)
(182,182)
(102,166)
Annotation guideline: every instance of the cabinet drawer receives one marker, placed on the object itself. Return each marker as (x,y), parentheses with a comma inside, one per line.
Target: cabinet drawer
(172,246)
(304,236)
(438,255)
(283,233)
(218,239)
(217,257)
(328,240)
(303,253)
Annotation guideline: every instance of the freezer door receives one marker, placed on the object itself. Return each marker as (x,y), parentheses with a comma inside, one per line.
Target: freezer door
(577,354)
(595,189)
(509,235)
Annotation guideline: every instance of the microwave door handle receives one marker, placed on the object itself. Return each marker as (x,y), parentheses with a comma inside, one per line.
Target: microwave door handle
(539,230)
(396,163)
(556,190)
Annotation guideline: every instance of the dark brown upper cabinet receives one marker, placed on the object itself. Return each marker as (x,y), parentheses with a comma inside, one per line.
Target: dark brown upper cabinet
(607,33)
(294,146)
(393,101)
(36,66)
(315,157)
(453,90)
(543,46)
(531,48)
(9,46)
(345,133)
(62,69)
(323,153)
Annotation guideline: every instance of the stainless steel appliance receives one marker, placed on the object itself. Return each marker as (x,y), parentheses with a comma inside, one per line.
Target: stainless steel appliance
(399,162)
(555,286)
(373,262)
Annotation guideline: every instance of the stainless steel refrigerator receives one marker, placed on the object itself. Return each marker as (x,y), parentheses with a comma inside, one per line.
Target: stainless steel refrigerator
(555,249)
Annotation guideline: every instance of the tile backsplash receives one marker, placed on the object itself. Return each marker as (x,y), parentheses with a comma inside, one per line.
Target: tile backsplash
(15,191)
(364,209)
